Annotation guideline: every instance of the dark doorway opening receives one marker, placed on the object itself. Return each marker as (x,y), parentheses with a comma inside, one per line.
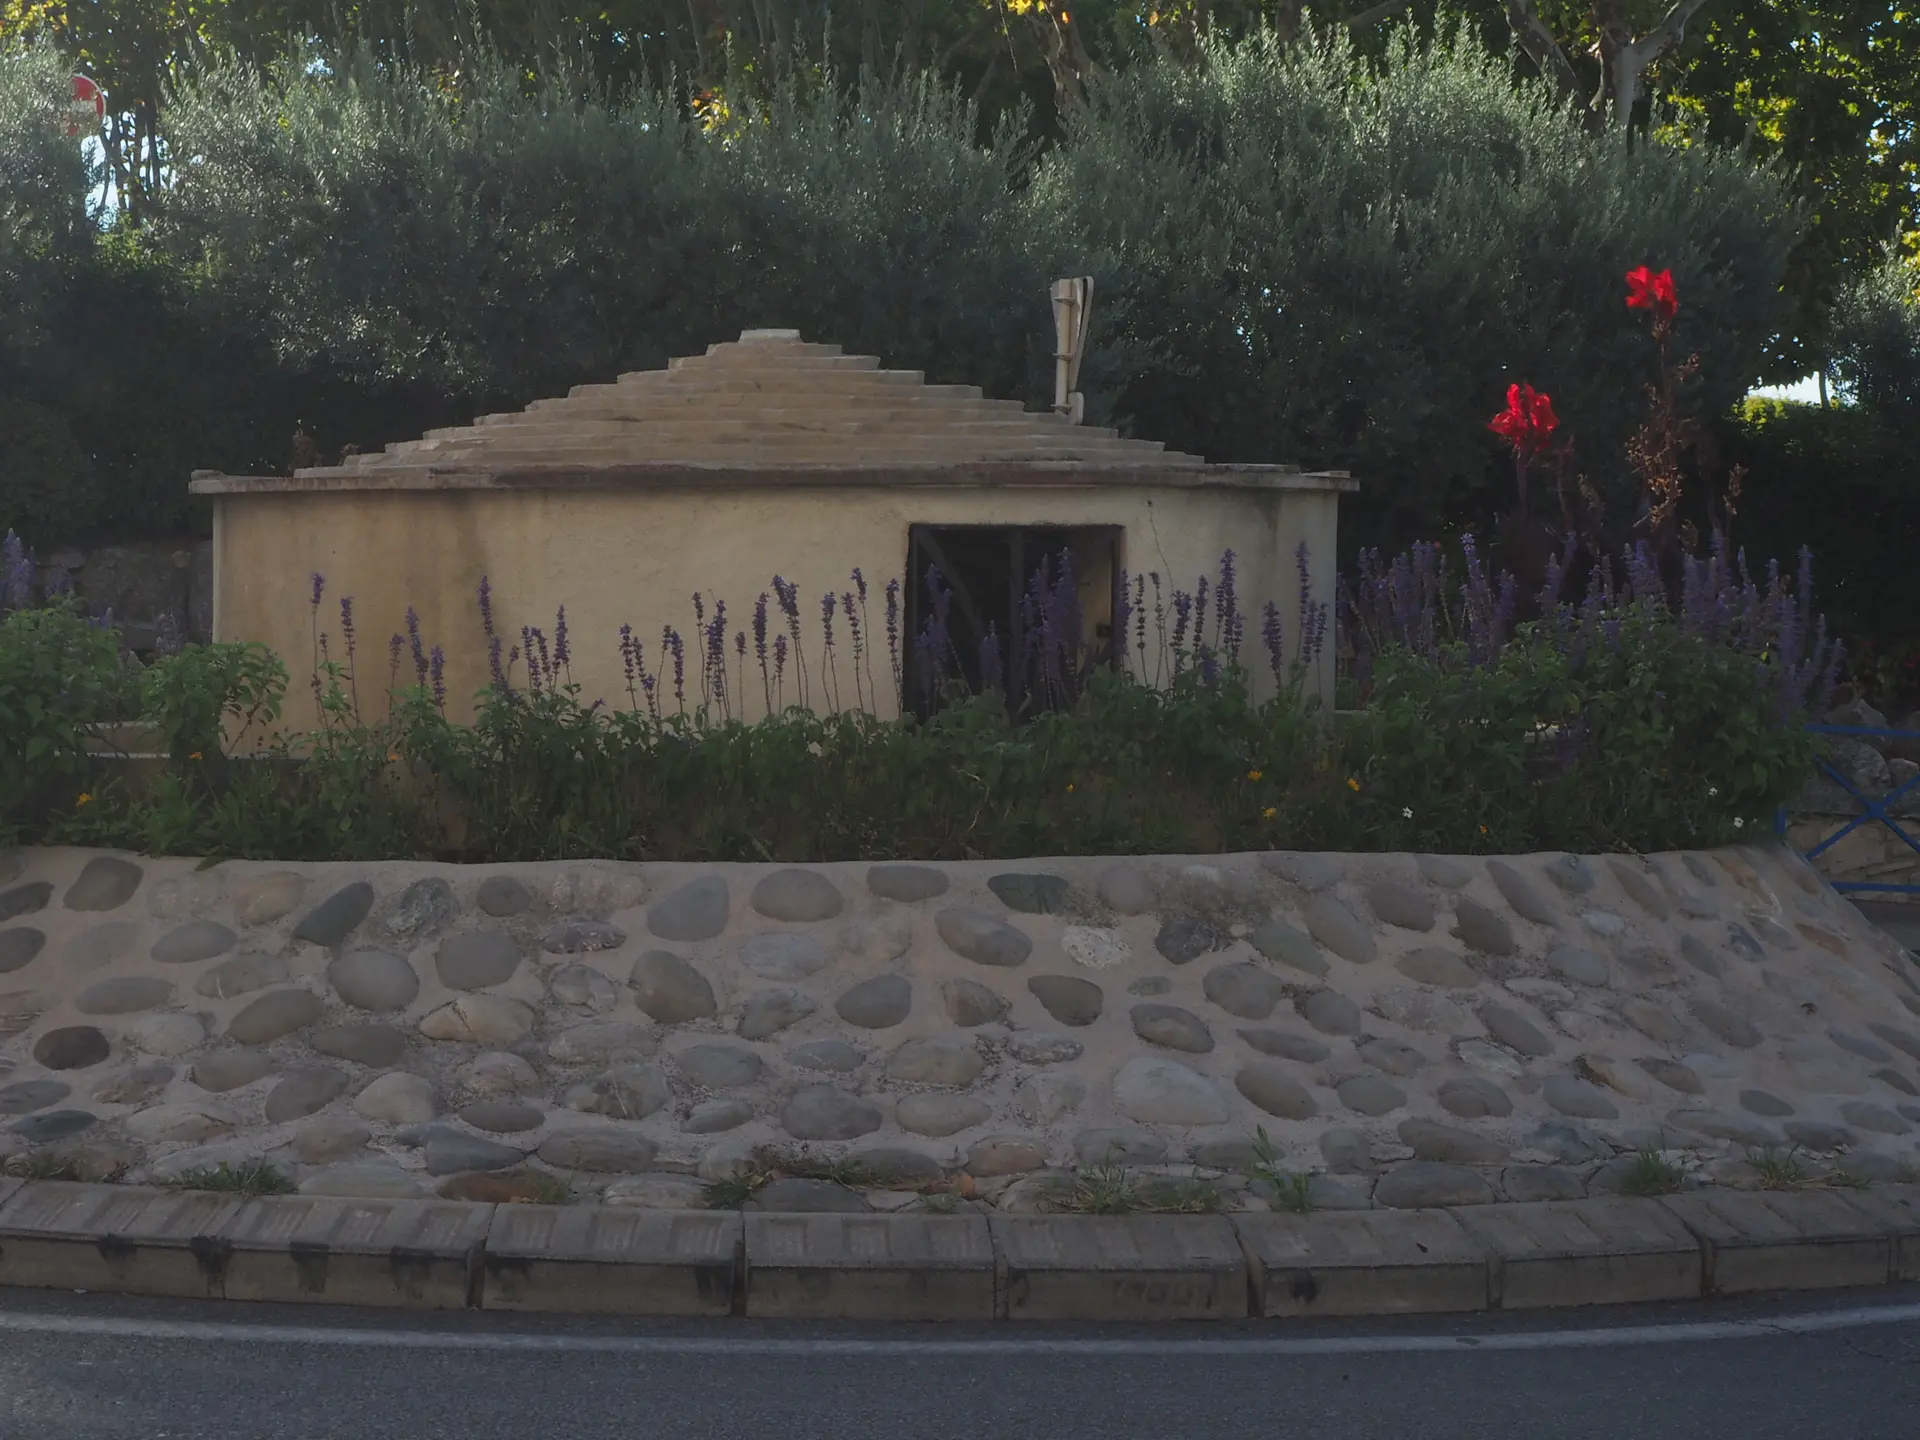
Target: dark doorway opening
(987,572)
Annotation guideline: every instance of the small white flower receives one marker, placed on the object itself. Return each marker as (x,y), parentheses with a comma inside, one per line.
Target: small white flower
(1407,810)
(1712,790)
(1738,823)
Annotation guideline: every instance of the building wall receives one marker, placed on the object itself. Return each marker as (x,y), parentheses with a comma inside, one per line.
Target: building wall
(637,557)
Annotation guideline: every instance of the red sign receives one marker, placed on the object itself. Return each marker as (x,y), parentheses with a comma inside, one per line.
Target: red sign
(86,109)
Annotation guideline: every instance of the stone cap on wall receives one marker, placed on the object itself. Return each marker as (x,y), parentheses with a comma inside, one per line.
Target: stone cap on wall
(769,409)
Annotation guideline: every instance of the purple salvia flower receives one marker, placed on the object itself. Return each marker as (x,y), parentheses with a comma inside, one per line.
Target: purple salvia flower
(413,636)
(16,569)
(495,670)
(437,675)
(562,652)
(319,589)
(1274,638)
(486,604)
(992,667)
(676,647)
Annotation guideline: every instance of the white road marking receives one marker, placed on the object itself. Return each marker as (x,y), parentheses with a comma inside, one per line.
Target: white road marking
(1020,1342)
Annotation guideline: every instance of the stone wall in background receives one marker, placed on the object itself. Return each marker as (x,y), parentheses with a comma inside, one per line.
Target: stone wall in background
(155,590)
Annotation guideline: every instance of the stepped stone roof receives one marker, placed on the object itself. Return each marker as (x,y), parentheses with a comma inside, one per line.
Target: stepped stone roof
(767,403)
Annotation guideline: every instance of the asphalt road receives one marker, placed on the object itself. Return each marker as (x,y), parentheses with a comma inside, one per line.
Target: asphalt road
(1800,1368)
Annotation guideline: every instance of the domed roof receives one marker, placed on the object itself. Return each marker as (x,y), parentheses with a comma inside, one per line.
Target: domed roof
(767,400)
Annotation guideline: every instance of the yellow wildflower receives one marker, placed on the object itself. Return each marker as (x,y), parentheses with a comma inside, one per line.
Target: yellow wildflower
(196,755)
(85,798)
(1254,774)
(1268,813)
(393,757)
(1352,784)
(1069,787)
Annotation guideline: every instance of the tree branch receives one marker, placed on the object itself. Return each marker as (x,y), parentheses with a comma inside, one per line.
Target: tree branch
(1374,14)
(1669,32)
(1537,40)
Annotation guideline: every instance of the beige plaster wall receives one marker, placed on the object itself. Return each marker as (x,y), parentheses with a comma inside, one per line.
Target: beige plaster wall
(636,556)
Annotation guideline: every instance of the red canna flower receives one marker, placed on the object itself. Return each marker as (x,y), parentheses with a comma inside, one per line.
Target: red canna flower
(1528,422)
(1647,290)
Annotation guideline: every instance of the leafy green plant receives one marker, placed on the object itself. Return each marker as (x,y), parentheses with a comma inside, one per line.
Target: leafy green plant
(1779,1169)
(203,696)
(1651,1173)
(1292,1190)
(250,1177)
(60,674)
(1104,1189)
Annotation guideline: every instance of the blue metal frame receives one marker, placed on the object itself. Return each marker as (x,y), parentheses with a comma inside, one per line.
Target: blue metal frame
(1870,810)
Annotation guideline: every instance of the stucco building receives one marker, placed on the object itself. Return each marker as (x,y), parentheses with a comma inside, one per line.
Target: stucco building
(764,457)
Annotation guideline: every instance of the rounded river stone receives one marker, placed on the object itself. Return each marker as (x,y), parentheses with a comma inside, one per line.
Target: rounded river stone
(1030,894)
(1043,1047)
(876,1004)
(584,986)
(263,899)
(1860,1045)
(336,917)
(1275,1091)
(1400,905)
(979,937)
(1067,998)
(1370,1095)
(1330,1012)
(1244,990)
(1514,1030)
(626,1092)
(1521,896)
(229,1070)
(1153,1091)
(1284,1045)
(375,1046)
(277,1013)
(1473,1097)
(719,1067)
(583,937)
(373,980)
(825,1112)
(304,1092)
(53,1125)
(1390,1055)
(19,947)
(1433,1141)
(1575,1097)
(769,1011)
(833,1055)
(25,899)
(796,896)
(936,1060)
(503,1117)
(101,945)
(106,883)
(503,897)
(242,975)
(123,995)
(450,1153)
(1444,871)
(1582,967)
(1172,1027)
(72,1047)
(1672,1074)
(424,907)
(906,883)
(1284,945)
(668,989)
(937,1116)
(1339,929)
(1182,940)
(1762,1102)
(969,1003)
(25,1096)
(783,956)
(1572,874)
(1724,1024)
(194,941)
(1482,929)
(476,961)
(696,911)
(1428,966)
(715,1117)
(1694,951)
(603,1149)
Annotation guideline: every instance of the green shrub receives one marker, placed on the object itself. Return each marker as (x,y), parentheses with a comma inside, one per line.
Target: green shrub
(59,674)
(1304,256)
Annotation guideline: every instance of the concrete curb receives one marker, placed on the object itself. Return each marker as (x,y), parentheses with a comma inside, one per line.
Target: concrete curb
(442,1254)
